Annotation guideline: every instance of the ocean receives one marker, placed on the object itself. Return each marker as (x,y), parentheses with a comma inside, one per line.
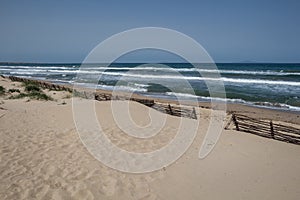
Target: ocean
(275,86)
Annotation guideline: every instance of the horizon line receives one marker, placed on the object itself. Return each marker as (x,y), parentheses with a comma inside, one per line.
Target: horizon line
(249,62)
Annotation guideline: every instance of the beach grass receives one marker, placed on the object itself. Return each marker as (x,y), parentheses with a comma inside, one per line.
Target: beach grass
(32,90)
(33,95)
(31,87)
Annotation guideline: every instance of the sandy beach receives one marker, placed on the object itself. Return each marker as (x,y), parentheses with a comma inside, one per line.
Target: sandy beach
(42,156)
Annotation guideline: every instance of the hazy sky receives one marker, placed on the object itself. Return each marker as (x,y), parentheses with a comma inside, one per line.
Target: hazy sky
(231,31)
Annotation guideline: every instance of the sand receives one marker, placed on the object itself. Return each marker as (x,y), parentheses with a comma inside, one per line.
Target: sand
(42,157)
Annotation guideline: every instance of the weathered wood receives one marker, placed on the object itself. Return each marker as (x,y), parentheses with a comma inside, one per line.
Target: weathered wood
(250,123)
(194,115)
(235,122)
(251,120)
(267,129)
(170,109)
(252,126)
(243,128)
(286,128)
(272,129)
(147,102)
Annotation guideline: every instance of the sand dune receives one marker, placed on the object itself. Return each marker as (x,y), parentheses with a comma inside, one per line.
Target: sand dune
(42,157)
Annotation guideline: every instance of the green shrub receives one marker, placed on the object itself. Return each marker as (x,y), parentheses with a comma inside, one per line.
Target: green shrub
(13,90)
(32,88)
(68,96)
(39,96)
(33,95)
(19,96)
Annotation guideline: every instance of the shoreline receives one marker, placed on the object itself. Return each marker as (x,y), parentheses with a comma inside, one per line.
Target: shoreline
(257,111)
(234,76)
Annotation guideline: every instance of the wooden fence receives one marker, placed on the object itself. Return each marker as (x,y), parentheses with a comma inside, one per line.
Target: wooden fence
(175,110)
(265,128)
(43,84)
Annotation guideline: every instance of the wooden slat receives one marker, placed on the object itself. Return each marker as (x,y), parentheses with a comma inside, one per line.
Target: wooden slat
(265,128)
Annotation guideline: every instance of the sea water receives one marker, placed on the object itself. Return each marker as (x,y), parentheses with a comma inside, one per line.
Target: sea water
(274,85)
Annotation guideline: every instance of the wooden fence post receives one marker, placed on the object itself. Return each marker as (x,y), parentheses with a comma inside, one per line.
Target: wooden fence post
(194,113)
(85,95)
(170,108)
(235,122)
(272,130)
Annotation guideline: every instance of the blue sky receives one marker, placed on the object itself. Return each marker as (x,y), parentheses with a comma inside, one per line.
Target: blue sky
(231,31)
